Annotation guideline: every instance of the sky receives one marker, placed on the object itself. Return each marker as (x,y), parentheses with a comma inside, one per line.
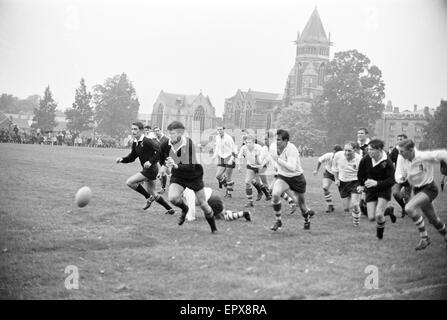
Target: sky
(214,46)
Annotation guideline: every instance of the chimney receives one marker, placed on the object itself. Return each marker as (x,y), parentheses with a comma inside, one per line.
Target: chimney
(415,108)
(389,106)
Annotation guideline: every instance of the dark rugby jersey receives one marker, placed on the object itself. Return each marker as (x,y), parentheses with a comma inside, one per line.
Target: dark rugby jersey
(393,155)
(146,149)
(383,172)
(185,158)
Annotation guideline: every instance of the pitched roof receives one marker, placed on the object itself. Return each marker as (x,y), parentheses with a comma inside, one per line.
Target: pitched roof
(22,123)
(259,95)
(171,98)
(314,30)
(4,120)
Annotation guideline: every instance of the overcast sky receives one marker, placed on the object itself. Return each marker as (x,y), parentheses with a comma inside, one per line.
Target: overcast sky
(214,46)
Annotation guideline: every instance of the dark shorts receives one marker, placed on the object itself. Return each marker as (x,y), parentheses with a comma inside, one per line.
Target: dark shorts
(373,194)
(297,183)
(346,188)
(150,173)
(193,184)
(431,190)
(328,175)
(256,170)
(223,162)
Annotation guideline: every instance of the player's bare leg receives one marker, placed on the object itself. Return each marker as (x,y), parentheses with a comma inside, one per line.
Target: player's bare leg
(175,193)
(208,212)
(150,187)
(279,187)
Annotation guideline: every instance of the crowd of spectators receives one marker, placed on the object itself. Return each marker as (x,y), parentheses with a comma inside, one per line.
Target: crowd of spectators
(59,138)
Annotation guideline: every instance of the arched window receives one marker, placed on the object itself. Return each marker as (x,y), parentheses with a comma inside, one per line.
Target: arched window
(237,117)
(299,80)
(321,74)
(248,118)
(199,118)
(159,116)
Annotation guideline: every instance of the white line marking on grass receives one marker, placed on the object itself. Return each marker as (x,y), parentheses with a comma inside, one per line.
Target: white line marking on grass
(404,292)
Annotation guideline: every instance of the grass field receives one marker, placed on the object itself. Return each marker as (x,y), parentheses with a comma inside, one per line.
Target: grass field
(123,252)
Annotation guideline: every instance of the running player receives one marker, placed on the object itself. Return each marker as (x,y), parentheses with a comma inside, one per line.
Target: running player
(376,176)
(363,140)
(417,167)
(290,178)
(401,192)
(345,167)
(179,156)
(225,151)
(256,160)
(328,175)
(148,151)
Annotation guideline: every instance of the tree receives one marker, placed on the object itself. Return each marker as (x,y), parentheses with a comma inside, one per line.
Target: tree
(28,104)
(80,115)
(116,105)
(12,104)
(352,97)
(435,131)
(301,127)
(45,115)
(8,103)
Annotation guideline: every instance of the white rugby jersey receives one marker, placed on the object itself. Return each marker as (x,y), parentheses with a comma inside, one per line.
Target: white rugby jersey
(419,171)
(254,157)
(347,170)
(224,146)
(291,156)
(327,159)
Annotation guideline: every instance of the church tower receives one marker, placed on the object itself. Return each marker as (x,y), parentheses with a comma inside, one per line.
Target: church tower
(305,81)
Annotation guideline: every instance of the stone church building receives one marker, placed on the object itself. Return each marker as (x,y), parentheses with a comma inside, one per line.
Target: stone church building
(305,80)
(251,109)
(195,111)
(255,110)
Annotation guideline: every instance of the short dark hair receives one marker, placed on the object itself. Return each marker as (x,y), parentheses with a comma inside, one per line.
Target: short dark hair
(175,125)
(283,134)
(337,148)
(403,135)
(147,127)
(139,125)
(376,144)
(216,204)
(406,144)
(364,130)
(155,128)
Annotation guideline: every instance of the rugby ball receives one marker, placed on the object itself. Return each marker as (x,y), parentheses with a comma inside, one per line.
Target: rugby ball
(83,196)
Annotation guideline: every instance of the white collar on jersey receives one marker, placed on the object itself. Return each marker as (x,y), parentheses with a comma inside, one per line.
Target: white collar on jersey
(139,140)
(383,158)
(182,144)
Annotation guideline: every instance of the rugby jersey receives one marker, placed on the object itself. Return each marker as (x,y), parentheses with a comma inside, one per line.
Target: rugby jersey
(419,171)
